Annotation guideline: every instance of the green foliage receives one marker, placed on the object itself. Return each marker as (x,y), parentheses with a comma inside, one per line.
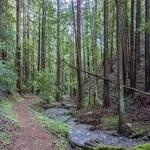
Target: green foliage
(7,77)
(62,144)
(6,108)
(8,115)
(110,120)
(108,148)
(44,82)
(5,138)
(55,127)
(142,147)
(145,27)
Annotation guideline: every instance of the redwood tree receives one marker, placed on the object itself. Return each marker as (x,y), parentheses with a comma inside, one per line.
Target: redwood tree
(39,41)
(18,43)
(147,46)
(43,36)
(106,101)
(58,52)
(137,34)
(1,27)
(120,66)
(132,48)
(79,76)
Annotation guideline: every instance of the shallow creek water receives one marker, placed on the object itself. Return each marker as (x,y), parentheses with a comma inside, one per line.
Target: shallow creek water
(80,133)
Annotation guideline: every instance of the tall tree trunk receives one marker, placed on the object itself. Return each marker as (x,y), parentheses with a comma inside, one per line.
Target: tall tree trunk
(137,37)
(87,36)
(132,48)
(18,44)
(137,34)
(58,52)
(94,37)
(43,37)
(75,41)
(120,66)
(33,64)
(1,11)
(24,41)
(39,41)
(125,40)
(28,42)
(2,51)
(147,46)
(112,27)
(79,64)
(106,101)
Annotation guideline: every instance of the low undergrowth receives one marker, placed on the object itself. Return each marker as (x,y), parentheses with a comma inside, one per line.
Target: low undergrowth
(105,147)
(109,148)
(138,147)
(57,128)
(5,138)
(110,121)
(6,108)
(8,123)
(142,147)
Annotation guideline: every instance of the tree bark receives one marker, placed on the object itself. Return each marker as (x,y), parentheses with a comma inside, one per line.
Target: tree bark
(147,46)
(132,48)
(18,44)
(58,53)
(43,37)
(39,41)
(3,54)
(106,101)
(137,34)
(79,66)
(120,66)
(125,41)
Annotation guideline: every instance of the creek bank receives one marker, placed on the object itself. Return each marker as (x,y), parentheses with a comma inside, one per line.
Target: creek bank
(80,135)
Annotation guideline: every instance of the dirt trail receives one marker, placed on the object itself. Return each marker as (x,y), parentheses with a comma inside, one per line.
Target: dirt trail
(31,136)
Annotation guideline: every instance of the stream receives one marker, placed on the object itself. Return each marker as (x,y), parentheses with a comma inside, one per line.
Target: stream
(81,135)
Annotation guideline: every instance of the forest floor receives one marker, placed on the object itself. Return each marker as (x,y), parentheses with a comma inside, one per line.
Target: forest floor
(31,136)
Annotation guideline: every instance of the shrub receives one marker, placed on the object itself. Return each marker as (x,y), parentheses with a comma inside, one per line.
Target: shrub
(44,82)
(7,77)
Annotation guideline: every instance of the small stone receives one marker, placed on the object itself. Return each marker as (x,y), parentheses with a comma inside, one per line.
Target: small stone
(97,140)
(129,125)
(89,113)
(92,128)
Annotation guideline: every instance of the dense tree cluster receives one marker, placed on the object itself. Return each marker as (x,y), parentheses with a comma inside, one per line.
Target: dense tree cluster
(55,47)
